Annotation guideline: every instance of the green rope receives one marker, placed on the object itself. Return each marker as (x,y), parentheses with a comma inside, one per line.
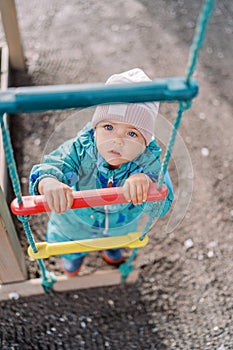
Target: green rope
(198,40)
(127,267)
(10,160)
(27,229)
(181,108)
(199,37)
(48,279)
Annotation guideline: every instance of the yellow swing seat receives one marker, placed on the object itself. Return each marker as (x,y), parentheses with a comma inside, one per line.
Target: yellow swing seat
(45,250)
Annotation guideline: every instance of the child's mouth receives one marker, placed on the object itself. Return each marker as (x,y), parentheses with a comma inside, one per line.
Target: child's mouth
(115,153)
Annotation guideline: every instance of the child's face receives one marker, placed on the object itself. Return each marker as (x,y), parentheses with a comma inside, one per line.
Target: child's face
(118,143)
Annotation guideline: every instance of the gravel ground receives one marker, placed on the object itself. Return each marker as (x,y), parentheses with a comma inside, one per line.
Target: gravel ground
(183,298)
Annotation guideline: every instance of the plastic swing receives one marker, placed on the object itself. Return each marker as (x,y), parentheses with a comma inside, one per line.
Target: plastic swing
(181,90)
(83,199)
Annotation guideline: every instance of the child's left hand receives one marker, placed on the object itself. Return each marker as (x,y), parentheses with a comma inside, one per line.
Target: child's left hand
(136,187)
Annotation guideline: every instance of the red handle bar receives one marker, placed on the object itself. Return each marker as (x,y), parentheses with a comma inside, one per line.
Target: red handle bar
(84,199)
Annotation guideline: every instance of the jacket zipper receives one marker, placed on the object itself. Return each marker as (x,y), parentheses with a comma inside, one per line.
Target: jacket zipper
(109,184)
(110,181)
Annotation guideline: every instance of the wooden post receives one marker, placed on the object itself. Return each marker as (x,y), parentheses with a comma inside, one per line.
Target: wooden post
(4,64)
(12,263)
(12,34)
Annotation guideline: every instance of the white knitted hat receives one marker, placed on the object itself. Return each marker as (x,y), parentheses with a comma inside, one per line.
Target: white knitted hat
(140,115)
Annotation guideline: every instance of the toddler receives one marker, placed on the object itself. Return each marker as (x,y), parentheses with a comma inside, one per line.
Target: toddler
(116,149)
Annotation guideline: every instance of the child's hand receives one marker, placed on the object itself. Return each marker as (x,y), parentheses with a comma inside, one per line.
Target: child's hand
(136,187)
(58,195)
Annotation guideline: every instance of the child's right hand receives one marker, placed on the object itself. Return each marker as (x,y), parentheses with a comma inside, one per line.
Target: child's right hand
(58,195)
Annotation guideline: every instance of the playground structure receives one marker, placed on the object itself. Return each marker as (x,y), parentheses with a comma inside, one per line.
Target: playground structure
(12,261)
(12,34)
(167,97)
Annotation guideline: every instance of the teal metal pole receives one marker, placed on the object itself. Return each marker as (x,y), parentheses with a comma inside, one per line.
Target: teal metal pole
(56,97)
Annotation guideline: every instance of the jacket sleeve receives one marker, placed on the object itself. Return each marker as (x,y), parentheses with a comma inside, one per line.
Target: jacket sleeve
(61,164)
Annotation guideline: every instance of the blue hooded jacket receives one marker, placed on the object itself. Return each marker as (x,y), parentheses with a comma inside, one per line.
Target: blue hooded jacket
(78,164)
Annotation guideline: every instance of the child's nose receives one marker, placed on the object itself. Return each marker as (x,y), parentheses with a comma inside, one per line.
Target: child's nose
(119,136)
(118,139)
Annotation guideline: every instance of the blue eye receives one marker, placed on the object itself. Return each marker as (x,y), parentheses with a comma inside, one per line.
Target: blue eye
(108,127)
(132,134)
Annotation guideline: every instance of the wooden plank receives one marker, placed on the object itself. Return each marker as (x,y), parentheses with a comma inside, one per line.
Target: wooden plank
(98,279)
(12,261)
(4,55)
(12,264)
(12,34)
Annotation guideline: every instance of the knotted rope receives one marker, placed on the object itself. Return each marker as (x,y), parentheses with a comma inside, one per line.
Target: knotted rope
(47,278)
(198,39)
